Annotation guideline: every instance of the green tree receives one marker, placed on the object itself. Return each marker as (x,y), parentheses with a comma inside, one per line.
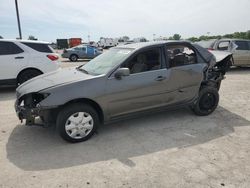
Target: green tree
(1,37)
(193,39)
(125,38)
(31,37)
(176,37)
(248,34)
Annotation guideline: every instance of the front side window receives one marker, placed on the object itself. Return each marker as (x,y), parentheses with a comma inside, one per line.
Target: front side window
(241,45)
(147,60)
(180,55)
(9,48)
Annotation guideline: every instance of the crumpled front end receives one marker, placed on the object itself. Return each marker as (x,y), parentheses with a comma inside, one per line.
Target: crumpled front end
(218,66)
(28,108)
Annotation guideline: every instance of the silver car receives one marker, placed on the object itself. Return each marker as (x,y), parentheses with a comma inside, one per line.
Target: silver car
(126,80)
(240,49)
(81,52)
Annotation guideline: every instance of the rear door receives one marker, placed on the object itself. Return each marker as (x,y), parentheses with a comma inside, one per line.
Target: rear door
(241,55)
(185,73)
(90,52)
(12,60)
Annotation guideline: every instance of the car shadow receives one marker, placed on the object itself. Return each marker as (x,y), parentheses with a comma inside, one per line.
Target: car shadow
(37,148)
(7,93)
(239,70)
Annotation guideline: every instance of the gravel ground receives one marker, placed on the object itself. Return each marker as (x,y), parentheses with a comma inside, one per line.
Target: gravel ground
(168,149)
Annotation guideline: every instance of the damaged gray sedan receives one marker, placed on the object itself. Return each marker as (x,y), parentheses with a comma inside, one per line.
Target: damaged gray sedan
(124,81)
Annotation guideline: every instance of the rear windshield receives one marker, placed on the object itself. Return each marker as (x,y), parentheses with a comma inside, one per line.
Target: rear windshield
(39,47)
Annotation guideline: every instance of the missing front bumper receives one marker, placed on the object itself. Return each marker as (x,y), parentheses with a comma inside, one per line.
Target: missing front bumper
(35,116)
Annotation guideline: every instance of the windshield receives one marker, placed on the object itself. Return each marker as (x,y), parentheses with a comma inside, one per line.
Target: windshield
(102,64)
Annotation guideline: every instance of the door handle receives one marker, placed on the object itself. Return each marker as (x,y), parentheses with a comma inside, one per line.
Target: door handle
(19,57)
(160,78)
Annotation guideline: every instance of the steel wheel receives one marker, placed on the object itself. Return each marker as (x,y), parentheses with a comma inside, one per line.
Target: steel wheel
(207,101)
(79,125)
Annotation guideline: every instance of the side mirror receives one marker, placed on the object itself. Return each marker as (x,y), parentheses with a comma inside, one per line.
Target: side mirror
(122,72)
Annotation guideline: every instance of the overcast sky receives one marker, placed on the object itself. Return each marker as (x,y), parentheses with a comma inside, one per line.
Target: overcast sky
(50,19)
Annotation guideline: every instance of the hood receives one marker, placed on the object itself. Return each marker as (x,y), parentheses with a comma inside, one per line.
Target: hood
(52,79)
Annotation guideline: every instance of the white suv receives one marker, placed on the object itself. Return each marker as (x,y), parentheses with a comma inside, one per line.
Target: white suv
(21,60)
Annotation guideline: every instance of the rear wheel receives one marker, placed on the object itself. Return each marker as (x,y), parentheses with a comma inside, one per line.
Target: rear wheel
(73,58)
(77,122)
(27,75)
(207,101)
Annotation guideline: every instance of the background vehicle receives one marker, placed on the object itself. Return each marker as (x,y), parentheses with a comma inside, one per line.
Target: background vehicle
(62,43)
(139,77)
(239,47)
(21,60)
(107,42)
(81,52)
(74,42)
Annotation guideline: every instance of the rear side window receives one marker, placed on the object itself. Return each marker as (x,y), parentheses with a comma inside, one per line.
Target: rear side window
(8,48)
(242,45)
(39,47)
(180,55)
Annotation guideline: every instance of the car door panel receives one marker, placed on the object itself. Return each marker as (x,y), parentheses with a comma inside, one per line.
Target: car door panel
(187,80)
(90,52)
(138,92)
(241,53)
(12,63)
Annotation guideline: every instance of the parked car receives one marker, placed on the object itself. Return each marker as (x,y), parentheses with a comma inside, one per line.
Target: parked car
(125,80)
(106,43)
(21,60)
(81,52)
(239,47)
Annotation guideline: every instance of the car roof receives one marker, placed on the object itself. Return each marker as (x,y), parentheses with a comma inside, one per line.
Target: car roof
(21,40)
(148,44)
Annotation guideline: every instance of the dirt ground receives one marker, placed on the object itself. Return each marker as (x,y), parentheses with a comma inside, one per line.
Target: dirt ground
(168,149)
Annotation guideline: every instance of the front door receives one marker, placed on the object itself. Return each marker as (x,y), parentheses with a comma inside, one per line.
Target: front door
(144,88)
(241,54)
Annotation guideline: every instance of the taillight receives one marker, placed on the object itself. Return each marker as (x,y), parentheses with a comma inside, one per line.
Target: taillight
(53,57)
(210,49)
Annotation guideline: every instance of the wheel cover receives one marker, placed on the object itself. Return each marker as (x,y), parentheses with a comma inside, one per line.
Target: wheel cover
(73,57)
(79,125)
(207,102)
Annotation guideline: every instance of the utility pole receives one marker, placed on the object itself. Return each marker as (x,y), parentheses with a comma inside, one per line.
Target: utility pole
(18,21)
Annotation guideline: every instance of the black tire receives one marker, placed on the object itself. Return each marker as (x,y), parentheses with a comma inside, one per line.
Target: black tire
(69,111)
(73,58)
(207,101)
(27,75)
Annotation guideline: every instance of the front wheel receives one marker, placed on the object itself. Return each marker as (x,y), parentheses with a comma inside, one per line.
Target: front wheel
(207,101)
(77,122)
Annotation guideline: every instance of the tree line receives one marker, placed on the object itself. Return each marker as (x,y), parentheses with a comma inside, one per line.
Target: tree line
(235,35)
